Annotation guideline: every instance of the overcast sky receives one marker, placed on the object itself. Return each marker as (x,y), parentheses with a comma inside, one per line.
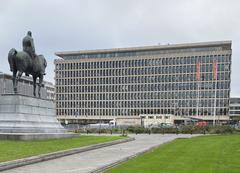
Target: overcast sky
(61,25)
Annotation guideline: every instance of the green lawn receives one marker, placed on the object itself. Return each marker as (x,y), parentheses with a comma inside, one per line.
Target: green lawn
(206,154)
(11,150)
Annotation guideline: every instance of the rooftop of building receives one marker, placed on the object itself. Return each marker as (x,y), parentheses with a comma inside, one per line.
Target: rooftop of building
(226,45)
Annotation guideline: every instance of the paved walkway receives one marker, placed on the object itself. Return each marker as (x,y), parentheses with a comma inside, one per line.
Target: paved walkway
(92,160)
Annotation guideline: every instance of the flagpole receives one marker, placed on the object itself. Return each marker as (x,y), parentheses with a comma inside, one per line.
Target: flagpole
(198,81)
(215,95)
(215,101)
(197,98)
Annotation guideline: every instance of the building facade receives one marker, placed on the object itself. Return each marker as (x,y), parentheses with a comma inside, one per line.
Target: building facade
(235,109)
(184,80)
(25,86)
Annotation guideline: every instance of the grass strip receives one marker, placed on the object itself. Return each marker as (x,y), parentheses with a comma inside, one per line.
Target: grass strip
(204,154)
(12,150)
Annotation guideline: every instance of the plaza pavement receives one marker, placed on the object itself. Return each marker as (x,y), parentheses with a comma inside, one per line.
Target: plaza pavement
(93,160)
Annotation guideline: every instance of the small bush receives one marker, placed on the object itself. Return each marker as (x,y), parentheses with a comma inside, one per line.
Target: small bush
(221,129)
(116,130)
(137,129)
(165,130)
(186,129)
(140,130)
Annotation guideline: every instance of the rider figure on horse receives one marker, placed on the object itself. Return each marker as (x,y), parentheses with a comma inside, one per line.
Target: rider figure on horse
(29,48)
(28,45)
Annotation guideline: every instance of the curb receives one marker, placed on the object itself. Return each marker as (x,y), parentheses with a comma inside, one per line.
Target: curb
(44,157)
(111,165)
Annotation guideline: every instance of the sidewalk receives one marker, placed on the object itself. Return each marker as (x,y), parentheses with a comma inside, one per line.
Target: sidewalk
(92,160)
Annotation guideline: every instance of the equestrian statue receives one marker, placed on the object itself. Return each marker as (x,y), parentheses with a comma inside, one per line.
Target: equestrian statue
(27,62)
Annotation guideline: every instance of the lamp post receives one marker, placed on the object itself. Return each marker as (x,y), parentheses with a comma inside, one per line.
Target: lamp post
(100,120)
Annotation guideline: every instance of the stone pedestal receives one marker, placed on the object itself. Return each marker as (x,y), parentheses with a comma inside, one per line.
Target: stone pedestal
(28,116)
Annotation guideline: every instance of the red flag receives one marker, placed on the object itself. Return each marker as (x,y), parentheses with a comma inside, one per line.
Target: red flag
(198,72)
(215,70)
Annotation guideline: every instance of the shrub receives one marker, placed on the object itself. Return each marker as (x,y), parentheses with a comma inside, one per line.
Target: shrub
(165,130)
(189,129)
(221,129)
(140,129)
(186,129)
(137,129)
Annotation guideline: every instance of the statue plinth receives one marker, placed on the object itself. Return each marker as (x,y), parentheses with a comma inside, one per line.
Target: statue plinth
(28,116)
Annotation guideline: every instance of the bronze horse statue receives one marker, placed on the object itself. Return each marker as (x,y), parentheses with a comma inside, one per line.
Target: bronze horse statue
(20,62)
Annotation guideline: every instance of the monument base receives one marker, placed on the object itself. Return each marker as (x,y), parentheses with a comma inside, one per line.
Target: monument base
(36,136)
(26,117)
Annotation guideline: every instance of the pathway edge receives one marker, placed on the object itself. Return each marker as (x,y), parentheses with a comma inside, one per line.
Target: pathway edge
(44,157)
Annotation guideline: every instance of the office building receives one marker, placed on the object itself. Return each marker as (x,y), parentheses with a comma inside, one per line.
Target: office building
(234,112)
(180,80)
(25,86)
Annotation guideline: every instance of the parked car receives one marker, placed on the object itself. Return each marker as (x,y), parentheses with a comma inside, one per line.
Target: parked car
(166,125)
(202,123)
